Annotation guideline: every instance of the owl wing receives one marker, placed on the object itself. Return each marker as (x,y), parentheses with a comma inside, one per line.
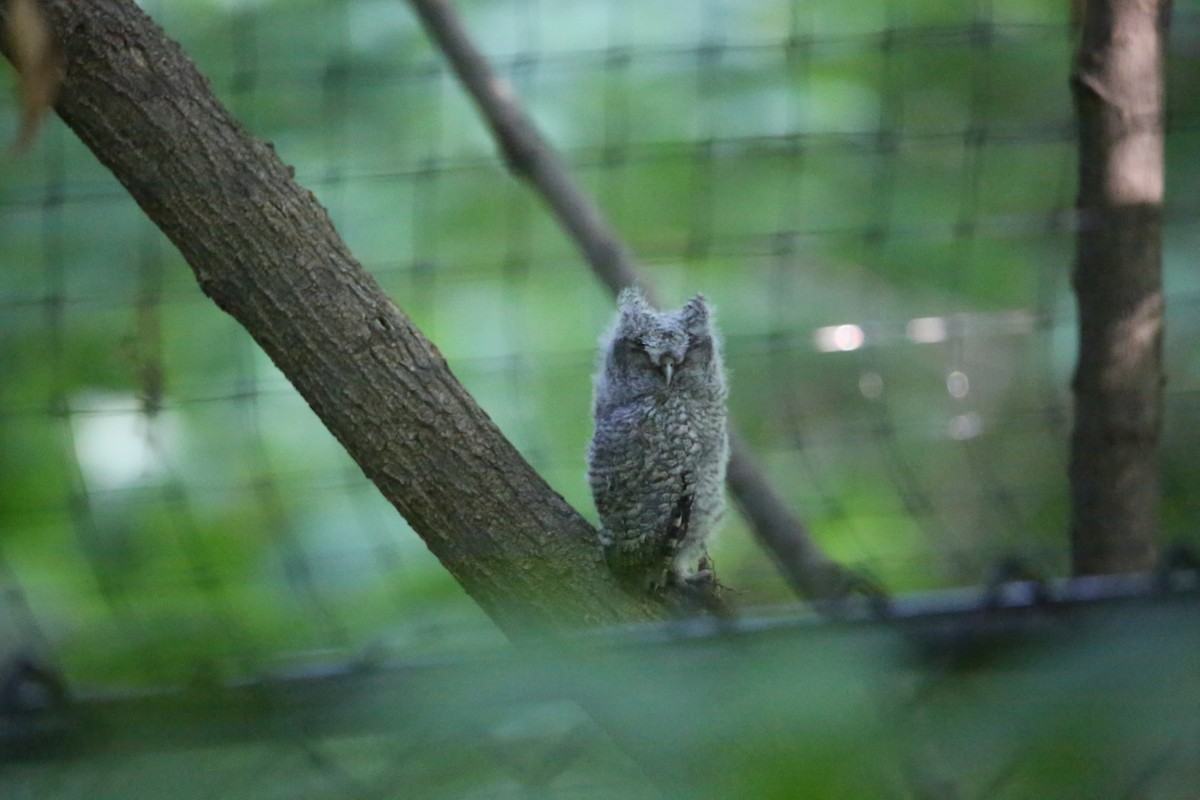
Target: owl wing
(649,564)
(645,505)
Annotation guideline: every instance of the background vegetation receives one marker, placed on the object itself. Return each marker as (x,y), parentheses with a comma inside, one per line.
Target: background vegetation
(875,194)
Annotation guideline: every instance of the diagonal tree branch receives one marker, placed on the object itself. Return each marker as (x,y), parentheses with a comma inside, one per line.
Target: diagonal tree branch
(265,251)
(527,153)
(809,571)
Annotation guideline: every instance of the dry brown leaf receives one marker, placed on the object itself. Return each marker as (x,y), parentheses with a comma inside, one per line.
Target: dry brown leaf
(38,64)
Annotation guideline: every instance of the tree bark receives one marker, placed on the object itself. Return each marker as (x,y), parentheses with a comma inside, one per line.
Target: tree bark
(266,252)
(1114,471)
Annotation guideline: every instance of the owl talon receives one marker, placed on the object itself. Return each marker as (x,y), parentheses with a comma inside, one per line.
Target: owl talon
(699,592)
(702,580)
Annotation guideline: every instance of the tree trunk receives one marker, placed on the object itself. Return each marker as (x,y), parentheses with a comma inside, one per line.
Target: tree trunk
(1114,471)
(265,251)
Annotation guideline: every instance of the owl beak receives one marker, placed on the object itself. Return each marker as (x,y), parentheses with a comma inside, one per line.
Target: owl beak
(668,369)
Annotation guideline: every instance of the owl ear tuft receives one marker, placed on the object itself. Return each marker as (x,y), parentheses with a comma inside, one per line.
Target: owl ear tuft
(633,310)
(631,300)
(695,314)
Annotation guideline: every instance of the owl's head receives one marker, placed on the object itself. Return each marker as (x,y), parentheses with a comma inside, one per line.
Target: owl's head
(652,352)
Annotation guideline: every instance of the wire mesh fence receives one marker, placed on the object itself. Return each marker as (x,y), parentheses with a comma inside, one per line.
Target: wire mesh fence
(877,196)
(1020,690)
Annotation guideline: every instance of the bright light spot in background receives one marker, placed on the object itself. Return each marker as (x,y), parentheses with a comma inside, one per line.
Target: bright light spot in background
(926,330)
(842,338)
(965,426)
(871,385)
(957,384)
(116,444)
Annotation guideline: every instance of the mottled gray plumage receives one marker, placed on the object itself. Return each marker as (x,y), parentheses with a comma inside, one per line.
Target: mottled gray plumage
(656,464)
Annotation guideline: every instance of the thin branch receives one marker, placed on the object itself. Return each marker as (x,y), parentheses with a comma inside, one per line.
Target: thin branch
(528,154)
(809,571)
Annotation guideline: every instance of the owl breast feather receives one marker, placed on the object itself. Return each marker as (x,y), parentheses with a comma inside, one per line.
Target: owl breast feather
(646,456)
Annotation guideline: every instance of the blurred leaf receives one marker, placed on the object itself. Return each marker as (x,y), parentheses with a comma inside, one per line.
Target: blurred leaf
(39,63)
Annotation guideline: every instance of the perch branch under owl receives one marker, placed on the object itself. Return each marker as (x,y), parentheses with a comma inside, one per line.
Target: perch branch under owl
(808,570)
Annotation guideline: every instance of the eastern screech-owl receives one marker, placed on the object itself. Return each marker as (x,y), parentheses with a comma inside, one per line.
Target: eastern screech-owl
(656,463)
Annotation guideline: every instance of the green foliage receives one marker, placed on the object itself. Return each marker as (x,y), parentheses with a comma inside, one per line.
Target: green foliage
(1083,701)
(805,165)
